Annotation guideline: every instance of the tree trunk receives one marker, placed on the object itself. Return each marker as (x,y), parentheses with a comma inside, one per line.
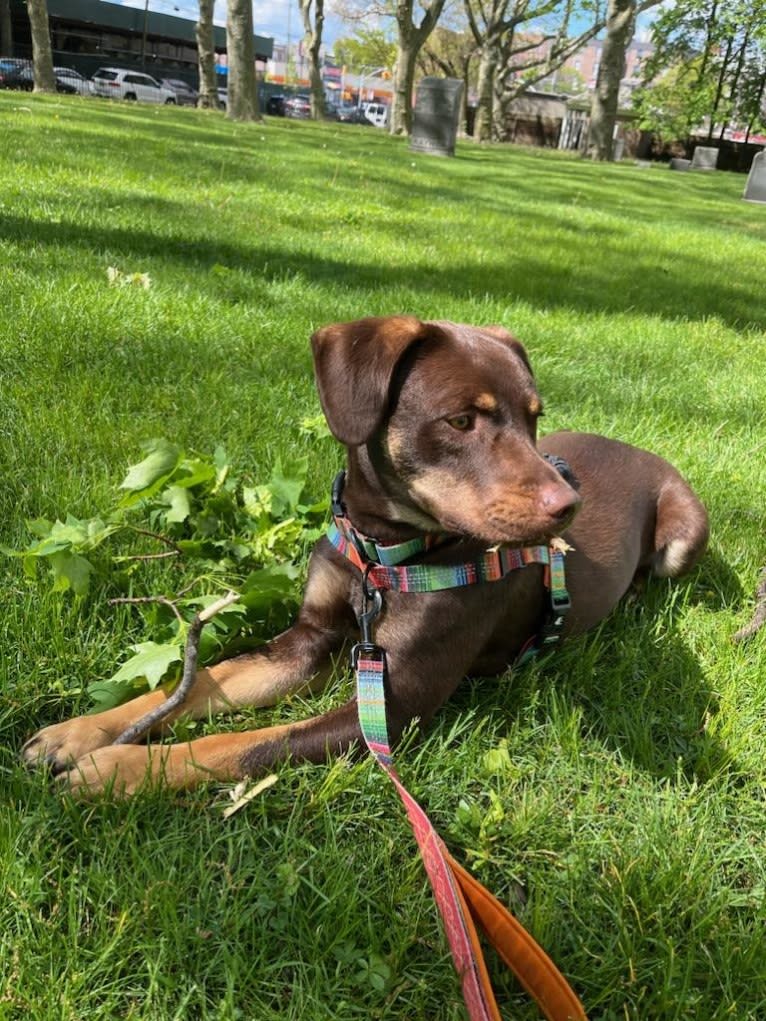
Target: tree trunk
(6,32)
(734,85)
(404,76)
(465,75)
(242,102)
(42,57)
(758,104)
(482,128)
(313,45)
(719,91)
(620,21)
(208,84)
(411,39)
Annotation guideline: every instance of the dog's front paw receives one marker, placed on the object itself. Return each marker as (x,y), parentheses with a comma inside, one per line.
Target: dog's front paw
(119,769)
(62,744)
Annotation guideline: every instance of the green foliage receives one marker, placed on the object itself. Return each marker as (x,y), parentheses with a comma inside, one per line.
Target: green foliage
(707,70)
(368,48)
(231,534)
(675,103)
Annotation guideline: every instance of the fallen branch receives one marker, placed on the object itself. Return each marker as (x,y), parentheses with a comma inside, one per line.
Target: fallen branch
(153,556)
(191,652)
(759,617)
(134,600)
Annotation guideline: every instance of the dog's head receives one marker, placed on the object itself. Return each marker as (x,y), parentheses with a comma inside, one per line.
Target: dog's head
(448,414)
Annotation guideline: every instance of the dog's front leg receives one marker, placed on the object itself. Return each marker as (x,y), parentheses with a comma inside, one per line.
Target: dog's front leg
(421,678)
(298,658)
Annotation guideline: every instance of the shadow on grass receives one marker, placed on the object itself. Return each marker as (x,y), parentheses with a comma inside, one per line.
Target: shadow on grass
(641,691)
(622,281)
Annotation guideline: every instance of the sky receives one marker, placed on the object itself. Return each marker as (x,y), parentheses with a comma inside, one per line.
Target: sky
(271,17)
(278,18)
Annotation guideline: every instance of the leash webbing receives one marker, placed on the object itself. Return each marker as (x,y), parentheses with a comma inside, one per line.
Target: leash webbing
(462,900)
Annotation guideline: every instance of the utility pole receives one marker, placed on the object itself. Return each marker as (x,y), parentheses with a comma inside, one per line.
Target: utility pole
(143,40)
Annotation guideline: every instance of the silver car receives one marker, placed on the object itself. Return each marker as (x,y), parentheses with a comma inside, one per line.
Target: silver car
(119,83)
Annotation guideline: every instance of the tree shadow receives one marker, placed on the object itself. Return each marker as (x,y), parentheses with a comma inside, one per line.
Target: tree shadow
(641,692)
(645,283)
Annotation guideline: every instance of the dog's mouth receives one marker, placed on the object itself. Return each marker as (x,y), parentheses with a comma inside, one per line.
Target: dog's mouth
(509,520)
(513,535)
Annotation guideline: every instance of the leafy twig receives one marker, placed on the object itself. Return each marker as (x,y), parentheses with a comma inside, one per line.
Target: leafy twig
(127,600)
(155,535)
(191,652)
(154,556)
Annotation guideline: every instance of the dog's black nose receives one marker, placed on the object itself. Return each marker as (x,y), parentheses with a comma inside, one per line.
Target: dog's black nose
(558,501)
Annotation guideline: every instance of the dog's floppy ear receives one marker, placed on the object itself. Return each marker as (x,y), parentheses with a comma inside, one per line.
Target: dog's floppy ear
(500,333)
(354,364)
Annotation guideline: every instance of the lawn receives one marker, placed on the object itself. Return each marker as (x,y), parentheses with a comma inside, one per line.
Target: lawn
(613,795)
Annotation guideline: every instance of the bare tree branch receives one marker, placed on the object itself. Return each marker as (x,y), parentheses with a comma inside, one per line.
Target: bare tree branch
(759,617)
(191,653)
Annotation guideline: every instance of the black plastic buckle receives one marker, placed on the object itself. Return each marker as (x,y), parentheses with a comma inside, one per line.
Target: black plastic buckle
(560,604)
(336,495)
(367,650)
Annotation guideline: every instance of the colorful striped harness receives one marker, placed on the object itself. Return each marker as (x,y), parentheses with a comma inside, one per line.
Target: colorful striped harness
(463,902)
(383,568)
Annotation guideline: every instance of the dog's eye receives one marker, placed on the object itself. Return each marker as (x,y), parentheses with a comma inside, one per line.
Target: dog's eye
(460,422)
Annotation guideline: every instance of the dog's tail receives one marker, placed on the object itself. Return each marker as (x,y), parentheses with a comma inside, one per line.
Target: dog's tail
(681,530)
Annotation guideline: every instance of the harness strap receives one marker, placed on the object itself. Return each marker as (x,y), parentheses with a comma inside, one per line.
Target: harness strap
(462,900)
(492,565)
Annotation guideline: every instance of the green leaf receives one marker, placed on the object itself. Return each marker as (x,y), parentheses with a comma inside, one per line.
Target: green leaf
(221,462)
(178,499)
(194,472)
(287,484)
(151,661)
(315,427)
(108,694)
(275,583)
(40,527)
(70,571)
(162,459)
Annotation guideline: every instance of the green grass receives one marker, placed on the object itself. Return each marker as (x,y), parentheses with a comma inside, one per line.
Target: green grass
(625,824)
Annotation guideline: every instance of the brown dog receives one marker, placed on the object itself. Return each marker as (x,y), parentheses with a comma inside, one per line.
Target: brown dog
(440,424)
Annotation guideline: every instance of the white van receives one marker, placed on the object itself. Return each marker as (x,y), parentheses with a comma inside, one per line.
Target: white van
(376,113)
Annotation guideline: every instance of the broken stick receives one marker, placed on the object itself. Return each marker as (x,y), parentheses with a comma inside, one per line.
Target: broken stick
(191,652)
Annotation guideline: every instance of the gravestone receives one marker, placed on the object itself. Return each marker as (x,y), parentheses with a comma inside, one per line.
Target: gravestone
(755,189)
(705,157)
(677,163)
(436,116)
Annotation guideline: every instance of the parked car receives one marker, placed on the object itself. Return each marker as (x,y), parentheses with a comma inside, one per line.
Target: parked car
(185,94)
(275,105)
(118,83)
(351,115)
(298,107)
(376,114)
(78,84)
(13,74)
(19,74)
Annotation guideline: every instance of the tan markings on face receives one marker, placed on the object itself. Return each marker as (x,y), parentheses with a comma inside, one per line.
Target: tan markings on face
(451,500)
(395,440)
(535,406)
(486,402)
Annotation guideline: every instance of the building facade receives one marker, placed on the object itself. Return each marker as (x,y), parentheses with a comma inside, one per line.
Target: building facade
(88,34)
